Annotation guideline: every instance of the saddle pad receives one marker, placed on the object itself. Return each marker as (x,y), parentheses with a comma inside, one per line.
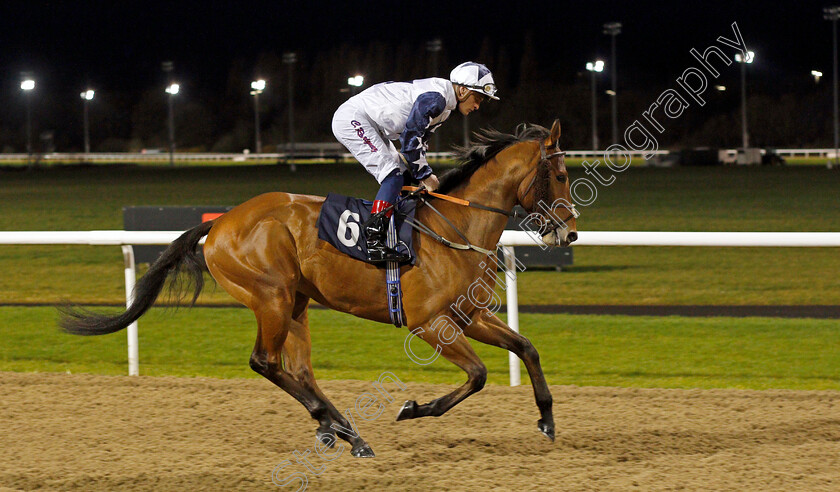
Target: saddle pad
(340,224)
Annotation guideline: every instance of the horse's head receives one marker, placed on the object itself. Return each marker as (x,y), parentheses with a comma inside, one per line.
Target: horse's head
(545,193)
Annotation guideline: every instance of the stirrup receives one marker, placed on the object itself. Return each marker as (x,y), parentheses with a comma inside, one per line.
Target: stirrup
(383,254)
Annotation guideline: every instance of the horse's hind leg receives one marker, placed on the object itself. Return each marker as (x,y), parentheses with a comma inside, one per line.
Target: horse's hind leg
(274,320)
(487,328)
(460,353)
(297,360)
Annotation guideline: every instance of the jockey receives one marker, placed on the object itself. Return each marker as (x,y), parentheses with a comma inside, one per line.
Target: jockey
(368,122)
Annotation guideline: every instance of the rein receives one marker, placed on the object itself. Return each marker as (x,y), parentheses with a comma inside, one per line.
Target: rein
(459,201)
(423,228)
(423,195)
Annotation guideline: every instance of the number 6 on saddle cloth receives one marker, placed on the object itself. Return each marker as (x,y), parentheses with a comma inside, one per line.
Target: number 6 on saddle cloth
(341,223)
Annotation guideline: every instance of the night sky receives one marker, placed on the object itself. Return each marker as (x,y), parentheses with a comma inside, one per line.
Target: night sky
(121,44)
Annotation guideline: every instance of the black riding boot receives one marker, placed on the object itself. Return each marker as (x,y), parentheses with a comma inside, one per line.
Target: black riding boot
(376,231)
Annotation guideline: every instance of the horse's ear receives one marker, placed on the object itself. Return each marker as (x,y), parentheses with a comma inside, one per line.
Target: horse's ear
(554,136)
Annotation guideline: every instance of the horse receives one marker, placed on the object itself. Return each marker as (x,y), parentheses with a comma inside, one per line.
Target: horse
(267,255)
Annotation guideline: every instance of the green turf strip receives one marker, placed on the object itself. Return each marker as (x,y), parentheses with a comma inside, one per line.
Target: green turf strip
(666,352)
(691,199)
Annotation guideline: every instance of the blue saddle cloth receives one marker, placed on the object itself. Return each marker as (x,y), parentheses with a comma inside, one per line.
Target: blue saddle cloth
(341,223)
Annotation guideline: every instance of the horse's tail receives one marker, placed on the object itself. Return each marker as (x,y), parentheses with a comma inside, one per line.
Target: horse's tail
(181,256)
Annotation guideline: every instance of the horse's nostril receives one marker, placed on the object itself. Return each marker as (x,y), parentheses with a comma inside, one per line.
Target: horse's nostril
(572,237)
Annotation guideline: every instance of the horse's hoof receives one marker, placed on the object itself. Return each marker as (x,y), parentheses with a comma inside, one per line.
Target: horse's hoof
(407,411)
(546,429)
(328,438)
(363,451)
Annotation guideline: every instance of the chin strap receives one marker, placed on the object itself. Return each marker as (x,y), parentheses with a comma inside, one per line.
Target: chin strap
(459,99)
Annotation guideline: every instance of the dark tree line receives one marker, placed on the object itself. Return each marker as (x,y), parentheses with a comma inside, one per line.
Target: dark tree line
(218,115)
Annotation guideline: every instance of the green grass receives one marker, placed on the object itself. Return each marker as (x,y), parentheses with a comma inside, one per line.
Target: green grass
(688,199)
(584,350)
(667,352)
(719,198)
(807,161)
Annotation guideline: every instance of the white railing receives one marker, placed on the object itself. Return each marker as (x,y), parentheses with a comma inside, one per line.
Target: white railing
(806,152)
(316,151)
(162,157)
(509,240)
(325,150)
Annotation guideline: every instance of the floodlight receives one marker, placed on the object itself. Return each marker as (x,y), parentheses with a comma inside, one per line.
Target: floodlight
(597,66)
(612,28)
(749,58)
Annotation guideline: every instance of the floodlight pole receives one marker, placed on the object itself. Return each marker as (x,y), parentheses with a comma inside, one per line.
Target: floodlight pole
(745,138)
(28,128)
(171,130)
(743,59)
(167,67)
(593,68)
(614,29)
(290,59)
(27,85)
(257,142)
(832,14)
(257,87)
(87,96)
(594,114)
(86,124)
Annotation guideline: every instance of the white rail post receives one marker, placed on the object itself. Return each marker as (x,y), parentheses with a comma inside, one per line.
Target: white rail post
(130,279)
(512,309)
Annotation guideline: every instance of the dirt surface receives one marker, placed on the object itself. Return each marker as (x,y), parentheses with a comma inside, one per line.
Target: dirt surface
(82,432)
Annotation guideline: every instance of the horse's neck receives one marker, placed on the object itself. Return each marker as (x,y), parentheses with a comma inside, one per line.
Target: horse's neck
(494,185)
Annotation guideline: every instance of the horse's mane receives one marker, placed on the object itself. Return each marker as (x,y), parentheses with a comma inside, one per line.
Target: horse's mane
(485,145)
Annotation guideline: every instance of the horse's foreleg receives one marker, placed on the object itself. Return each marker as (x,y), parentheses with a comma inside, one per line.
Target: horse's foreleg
(460,353)
(487,328)
(276,330)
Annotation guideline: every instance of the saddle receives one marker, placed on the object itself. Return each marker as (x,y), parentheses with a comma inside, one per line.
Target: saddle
(341,223)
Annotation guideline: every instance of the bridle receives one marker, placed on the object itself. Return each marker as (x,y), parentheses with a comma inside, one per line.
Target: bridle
(543,168)
(545,160)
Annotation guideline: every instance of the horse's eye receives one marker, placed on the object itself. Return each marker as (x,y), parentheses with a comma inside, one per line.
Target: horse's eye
(561,178)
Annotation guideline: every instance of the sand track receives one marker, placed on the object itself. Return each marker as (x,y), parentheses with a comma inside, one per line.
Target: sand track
(83,432)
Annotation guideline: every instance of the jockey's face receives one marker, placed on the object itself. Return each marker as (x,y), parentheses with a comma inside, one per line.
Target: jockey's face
(469,101)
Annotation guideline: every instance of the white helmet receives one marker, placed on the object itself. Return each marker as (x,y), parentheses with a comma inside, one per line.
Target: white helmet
(475,77)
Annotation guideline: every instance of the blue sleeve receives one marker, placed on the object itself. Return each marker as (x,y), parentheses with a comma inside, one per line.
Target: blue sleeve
(428,106)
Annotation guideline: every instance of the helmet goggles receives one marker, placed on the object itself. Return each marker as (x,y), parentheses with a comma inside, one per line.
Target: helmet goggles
(486,89)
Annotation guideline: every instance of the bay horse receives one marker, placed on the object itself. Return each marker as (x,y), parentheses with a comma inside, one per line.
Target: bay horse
(267,255)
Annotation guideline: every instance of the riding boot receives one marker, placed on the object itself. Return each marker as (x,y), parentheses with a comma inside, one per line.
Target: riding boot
(376,231)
